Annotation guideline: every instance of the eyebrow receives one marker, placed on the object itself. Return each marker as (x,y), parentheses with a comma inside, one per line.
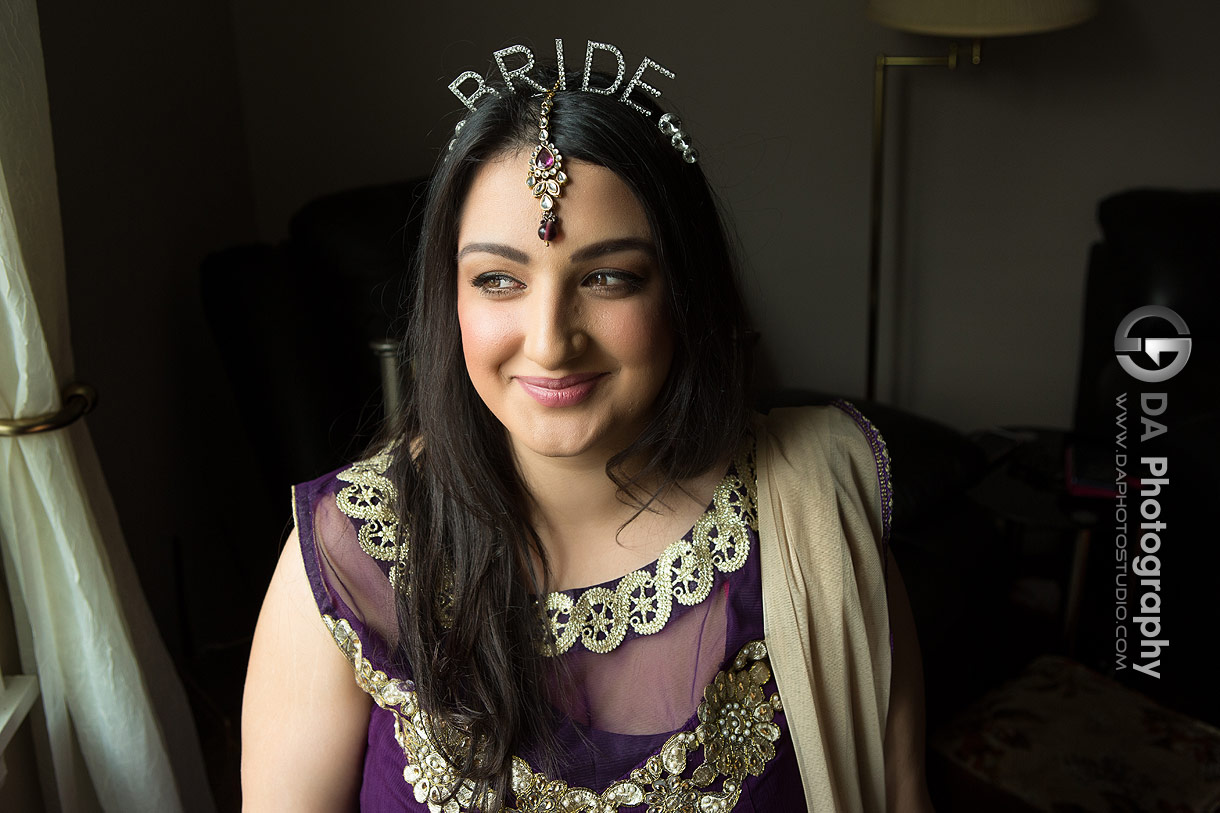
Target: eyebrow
(589,252)
(614,246)
(499,249)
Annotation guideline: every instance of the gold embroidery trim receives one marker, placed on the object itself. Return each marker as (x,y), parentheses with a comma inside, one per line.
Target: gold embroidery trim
(736,734)
(371,497)
(430,775)
(600,617)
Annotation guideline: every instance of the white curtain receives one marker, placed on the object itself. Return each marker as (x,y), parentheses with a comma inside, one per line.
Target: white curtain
(85,636)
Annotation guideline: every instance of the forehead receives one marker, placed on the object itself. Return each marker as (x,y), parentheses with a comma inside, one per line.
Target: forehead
(596,205)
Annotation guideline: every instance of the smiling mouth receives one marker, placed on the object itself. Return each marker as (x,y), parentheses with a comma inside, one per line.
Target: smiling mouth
(560,392)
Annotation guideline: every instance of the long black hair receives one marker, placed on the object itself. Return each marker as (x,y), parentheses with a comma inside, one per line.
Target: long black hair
(470,628)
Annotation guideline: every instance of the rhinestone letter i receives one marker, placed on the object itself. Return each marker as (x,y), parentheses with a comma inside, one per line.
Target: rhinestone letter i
(546,176)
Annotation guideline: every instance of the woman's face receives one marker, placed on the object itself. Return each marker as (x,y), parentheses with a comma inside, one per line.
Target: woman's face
(567,344)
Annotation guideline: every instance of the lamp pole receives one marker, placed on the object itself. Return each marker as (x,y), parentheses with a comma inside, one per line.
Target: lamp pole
(877,189)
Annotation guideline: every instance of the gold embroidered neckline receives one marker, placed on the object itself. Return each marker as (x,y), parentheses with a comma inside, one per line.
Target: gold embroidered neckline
(643,600)
(736,732)
(598,617)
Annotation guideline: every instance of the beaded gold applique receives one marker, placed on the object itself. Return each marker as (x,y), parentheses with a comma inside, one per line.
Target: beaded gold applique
(642,601)
(371,497)
(599,618)
(430,775)
(736,734)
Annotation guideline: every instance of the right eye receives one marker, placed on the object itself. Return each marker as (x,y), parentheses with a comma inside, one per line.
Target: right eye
(496,282)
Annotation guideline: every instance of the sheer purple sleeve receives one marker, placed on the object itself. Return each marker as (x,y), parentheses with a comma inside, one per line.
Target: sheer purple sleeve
(348,582)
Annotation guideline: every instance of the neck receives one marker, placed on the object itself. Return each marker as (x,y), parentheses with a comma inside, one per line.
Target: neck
(589,533)
(570,494)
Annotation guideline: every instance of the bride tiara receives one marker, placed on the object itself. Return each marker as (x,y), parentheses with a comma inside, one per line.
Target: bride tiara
(669,124)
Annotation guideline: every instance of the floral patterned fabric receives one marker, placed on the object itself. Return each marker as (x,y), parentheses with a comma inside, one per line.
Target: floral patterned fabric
(1061,737)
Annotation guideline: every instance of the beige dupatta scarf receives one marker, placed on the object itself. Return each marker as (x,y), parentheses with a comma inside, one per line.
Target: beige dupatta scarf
(824,602)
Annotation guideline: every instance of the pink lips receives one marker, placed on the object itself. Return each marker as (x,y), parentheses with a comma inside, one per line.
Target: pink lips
(560,392)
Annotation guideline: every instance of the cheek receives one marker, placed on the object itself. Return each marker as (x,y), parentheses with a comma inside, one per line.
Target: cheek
(643,336)
(487,336)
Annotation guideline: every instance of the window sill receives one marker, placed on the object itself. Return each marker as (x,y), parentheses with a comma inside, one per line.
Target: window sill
(16,698)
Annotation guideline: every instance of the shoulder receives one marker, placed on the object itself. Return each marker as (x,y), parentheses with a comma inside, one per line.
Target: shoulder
(361,491)
(357,504)
(835,427)
(828,448)
(816,436)
(351,540)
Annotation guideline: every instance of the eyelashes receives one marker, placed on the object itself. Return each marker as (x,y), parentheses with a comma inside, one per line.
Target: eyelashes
(614,283)
(604,282)
(495,283)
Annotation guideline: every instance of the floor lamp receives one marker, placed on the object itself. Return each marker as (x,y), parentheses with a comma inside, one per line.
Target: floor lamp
(957,19)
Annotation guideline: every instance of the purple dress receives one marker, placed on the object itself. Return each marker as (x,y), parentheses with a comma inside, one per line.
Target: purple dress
(670,703)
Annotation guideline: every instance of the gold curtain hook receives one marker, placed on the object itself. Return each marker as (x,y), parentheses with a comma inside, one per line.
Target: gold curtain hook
(79,399)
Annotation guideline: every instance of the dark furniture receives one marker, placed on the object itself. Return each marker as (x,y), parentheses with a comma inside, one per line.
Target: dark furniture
(294,322)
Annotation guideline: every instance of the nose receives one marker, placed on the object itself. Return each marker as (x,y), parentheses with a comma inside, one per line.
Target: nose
(555,334)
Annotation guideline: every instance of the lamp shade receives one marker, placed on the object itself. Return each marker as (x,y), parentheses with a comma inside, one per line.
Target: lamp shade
(980,18)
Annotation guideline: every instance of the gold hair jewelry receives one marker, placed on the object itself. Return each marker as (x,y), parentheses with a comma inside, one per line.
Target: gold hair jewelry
(546,176)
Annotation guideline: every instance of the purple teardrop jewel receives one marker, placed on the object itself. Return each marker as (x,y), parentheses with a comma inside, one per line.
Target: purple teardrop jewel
(545,159)
(548,228)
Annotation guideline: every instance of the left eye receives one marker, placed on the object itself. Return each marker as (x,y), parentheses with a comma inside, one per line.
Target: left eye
(614,280)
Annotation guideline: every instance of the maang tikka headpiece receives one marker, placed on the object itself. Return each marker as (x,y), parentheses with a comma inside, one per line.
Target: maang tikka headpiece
(546,175)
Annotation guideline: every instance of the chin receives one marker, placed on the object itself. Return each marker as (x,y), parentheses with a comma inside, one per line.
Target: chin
(569,439)
(555,443)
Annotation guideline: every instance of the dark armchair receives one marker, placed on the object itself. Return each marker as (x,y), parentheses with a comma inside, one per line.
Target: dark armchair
(294,323)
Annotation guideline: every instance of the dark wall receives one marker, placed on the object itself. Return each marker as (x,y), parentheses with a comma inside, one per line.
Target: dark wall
(995,171)
(153,174)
